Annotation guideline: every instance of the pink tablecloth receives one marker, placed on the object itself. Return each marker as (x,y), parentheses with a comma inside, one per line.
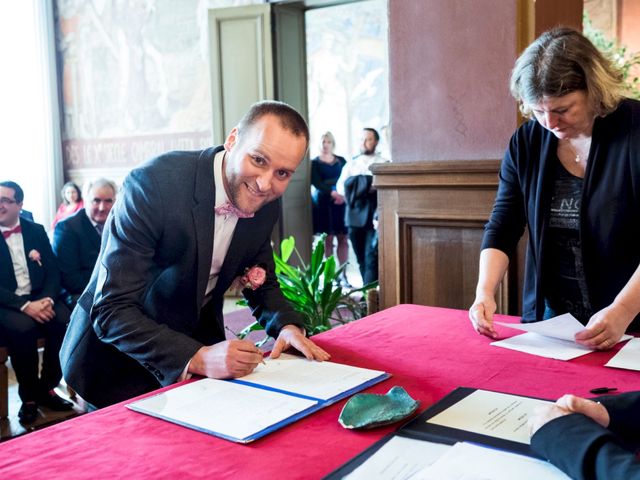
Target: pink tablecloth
(429,351)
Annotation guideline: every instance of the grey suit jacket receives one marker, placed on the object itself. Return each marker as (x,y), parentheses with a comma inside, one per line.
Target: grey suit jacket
(140,319)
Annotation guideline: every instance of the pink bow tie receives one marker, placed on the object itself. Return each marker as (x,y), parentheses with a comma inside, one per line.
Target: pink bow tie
(7,233)
(229,209)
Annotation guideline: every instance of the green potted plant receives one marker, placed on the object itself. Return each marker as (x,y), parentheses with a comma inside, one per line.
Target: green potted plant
(314,289)
(626,61)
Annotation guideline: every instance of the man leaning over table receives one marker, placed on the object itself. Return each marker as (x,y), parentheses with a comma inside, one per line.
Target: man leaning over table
(187,225)
(588,439)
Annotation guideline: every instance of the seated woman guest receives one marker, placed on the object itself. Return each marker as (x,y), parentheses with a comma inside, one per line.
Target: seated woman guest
(590,440)
(328,205)
(71,202)
(571,175)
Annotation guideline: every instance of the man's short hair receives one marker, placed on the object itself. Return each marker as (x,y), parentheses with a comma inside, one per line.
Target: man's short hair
(99,183)
(289,118)
(18,193)
(376,135)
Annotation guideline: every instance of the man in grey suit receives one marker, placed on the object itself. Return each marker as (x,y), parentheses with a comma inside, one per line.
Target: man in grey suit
(76,239)
(152,312)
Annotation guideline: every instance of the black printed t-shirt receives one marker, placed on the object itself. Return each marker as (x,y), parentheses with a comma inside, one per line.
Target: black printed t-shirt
(565,286)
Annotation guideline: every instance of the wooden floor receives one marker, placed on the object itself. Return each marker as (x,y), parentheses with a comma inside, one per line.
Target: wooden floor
(11,427)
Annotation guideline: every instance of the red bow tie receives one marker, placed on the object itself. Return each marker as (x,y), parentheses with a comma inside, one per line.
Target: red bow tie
(7,233)
(229,209)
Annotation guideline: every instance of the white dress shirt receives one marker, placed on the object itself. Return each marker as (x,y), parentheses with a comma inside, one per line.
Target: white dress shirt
(359,165)
(223,228)
(16,249)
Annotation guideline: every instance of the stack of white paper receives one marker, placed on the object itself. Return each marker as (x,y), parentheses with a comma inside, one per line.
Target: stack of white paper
(628,357)
(552,338)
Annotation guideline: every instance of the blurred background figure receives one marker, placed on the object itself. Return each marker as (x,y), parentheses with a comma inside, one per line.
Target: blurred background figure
(71,202)
(328,204)
(356,186)
(76,239)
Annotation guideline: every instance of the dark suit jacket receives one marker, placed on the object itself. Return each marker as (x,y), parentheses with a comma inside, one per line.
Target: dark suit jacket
(45,279)
(76,243)
(585,450)
(361,202)
(138,323)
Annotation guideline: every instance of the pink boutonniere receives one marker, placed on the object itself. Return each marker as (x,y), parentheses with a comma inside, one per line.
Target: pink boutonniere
(253,277)
(34,255)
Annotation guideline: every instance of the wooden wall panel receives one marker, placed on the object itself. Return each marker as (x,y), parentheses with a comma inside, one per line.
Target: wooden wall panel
(441,262)
(432,216)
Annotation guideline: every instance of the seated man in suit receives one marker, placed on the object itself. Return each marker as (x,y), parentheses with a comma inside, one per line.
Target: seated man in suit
(588,439)
(185,226)
(29,289)
(76,239)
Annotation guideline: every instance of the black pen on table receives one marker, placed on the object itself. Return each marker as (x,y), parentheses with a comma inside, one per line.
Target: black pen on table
(601,390)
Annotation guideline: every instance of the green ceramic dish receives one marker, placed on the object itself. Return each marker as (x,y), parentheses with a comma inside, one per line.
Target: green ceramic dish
(369,410)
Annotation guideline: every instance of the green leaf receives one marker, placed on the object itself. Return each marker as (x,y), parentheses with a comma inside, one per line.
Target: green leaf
(329,273)
(249,328)
(286,248)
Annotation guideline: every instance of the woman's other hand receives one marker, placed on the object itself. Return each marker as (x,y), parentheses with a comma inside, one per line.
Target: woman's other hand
(605,328)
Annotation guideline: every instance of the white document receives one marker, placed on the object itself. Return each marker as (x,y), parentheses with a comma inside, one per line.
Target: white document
(542,346)
(323,380)
(552,338)
(628,357)
(222,407)
(466,461)
(399,459)
(563,327)
(499,415)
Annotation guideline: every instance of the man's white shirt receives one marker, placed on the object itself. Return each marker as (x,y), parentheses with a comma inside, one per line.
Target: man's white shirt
(224,226)
(359,165)
(15,243)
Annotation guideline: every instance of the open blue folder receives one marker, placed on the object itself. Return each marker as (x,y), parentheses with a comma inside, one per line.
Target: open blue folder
(277,394)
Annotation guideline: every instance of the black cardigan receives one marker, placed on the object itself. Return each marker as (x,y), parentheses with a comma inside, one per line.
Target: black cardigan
(609,213)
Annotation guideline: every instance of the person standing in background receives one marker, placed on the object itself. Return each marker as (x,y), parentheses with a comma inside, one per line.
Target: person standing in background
(328,204)
(355,185)
(71,202)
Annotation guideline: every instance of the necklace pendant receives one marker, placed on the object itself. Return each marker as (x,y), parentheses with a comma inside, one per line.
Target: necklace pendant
(577,158)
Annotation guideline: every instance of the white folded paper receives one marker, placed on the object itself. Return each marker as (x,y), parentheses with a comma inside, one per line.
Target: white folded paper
(552,338)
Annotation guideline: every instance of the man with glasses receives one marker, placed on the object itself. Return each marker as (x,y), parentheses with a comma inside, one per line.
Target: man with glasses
(76,239)
(29,289)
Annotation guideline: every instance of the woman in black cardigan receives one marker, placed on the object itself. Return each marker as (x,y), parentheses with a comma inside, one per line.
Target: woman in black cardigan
(571,175)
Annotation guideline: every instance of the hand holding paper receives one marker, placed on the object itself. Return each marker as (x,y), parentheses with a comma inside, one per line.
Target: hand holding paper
(552,338)
(605,328)
(563,327)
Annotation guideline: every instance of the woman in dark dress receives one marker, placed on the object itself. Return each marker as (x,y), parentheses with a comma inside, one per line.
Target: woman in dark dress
(328,205)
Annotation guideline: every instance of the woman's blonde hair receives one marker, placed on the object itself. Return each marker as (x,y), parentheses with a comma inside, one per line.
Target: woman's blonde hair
(561,61)
(329,136)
